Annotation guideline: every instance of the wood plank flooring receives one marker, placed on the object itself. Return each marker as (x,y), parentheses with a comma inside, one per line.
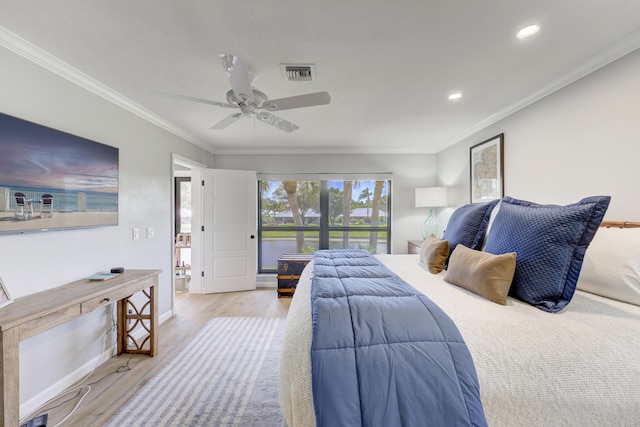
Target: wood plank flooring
(113,383)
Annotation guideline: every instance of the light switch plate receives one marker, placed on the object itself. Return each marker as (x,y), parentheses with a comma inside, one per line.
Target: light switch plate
(135,234)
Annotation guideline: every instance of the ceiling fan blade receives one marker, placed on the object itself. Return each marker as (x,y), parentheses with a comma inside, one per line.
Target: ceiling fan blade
(276,121)
(299,101)
(194,99)
(238,75)
(227,121)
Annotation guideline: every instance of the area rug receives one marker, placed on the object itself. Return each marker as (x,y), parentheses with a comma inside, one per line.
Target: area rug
(227,376)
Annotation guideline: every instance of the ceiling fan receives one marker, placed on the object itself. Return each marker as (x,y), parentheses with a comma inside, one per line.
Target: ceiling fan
(249,100)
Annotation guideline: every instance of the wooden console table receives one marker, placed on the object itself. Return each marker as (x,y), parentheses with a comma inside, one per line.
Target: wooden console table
(36,313)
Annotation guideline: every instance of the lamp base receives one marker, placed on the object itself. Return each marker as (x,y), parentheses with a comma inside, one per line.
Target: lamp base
(430,226)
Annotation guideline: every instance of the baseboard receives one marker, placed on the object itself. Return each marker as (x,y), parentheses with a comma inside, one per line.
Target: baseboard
(266,281)
(63,384)
(164,317)
(55,389)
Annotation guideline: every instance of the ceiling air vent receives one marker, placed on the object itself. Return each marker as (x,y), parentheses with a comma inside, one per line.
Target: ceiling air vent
(298,72)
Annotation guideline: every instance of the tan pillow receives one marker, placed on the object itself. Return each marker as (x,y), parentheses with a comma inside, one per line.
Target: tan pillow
(434,253)
(483,273)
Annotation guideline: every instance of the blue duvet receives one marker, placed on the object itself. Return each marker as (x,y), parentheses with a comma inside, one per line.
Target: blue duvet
(382,353)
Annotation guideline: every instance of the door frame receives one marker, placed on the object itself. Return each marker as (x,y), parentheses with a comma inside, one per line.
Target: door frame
(195,172)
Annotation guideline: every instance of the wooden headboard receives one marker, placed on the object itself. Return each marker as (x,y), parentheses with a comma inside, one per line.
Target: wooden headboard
(620,224)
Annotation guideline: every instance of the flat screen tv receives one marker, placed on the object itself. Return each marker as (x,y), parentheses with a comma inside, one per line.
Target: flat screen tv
(52,180)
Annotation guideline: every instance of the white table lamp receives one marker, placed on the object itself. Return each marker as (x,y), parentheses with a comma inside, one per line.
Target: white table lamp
(431,197)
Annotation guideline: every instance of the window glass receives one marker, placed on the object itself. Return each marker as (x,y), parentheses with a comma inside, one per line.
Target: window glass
(183,205)
(372,241)
(358,203)
(290,203)
(304,216)
(277,242)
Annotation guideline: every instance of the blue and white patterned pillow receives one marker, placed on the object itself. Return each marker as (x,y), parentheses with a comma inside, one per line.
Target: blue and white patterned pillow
(467,225)
(550,242)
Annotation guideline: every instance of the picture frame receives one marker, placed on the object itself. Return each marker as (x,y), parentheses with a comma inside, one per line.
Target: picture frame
(5,297)
(53,180)
(487,166)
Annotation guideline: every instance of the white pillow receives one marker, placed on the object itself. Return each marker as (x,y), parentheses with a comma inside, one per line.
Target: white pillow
(611,265)
(492,218)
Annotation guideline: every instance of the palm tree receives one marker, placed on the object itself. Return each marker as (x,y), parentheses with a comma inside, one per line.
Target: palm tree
(365,195)
(290,187)
(308,198)
(335,205)
(270,205)
(346,211)
(375,215)
(266,186)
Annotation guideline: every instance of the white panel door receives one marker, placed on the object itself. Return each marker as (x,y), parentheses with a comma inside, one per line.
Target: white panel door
(230,227)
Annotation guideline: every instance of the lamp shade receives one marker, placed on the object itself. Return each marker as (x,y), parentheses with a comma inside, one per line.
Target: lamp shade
(431,197)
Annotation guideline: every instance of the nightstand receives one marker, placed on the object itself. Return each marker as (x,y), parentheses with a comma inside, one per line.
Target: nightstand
(413,246)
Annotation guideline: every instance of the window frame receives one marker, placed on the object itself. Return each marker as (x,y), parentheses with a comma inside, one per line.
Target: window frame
(178,202)
(324,229)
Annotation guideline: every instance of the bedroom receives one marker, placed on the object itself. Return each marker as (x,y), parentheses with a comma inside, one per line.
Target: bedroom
(584,137)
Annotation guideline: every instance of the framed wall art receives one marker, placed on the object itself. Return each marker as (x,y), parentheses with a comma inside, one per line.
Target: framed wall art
(51,180)
(487,166)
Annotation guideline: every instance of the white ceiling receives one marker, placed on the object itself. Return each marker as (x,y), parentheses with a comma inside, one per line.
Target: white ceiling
(388,65)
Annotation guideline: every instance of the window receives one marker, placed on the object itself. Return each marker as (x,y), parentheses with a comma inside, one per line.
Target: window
(302,216)
(183,205)
(182,251)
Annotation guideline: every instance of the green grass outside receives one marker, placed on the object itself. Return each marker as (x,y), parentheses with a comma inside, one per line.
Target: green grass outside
(272,234)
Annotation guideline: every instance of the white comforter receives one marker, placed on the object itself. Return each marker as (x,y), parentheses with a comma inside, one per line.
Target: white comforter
(578,367)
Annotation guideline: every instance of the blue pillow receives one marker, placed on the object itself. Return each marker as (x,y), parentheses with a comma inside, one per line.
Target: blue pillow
(468,224)
(550,242)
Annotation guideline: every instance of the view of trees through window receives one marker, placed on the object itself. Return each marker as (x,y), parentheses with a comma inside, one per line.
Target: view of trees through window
(304,216)
(183,205)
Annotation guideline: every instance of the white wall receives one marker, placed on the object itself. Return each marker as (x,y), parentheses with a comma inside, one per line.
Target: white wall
(580,141)
(37,261)
(409,171)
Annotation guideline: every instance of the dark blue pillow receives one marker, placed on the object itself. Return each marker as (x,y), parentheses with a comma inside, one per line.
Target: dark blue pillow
(468,224)
(550,242)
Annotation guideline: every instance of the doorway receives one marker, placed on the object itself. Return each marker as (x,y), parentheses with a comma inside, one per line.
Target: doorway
(182,230)
(187,217)
(226,259)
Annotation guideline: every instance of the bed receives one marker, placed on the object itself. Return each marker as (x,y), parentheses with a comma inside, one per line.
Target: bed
(577,365)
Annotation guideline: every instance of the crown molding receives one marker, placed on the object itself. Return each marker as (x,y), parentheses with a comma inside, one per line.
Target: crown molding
(617,51)
(42,58)
(38,56)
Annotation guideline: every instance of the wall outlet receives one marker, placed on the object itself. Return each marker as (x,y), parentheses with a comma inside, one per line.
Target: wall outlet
(40,420)
(135,234)
(150,232)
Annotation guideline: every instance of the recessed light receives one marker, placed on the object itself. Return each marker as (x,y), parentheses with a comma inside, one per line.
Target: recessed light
(455,95)
(528,31)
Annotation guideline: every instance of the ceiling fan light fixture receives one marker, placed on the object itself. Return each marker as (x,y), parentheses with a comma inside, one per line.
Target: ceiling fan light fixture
(528,31)
(249,99)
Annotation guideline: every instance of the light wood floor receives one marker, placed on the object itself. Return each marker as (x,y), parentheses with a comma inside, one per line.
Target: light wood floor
(193,312)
